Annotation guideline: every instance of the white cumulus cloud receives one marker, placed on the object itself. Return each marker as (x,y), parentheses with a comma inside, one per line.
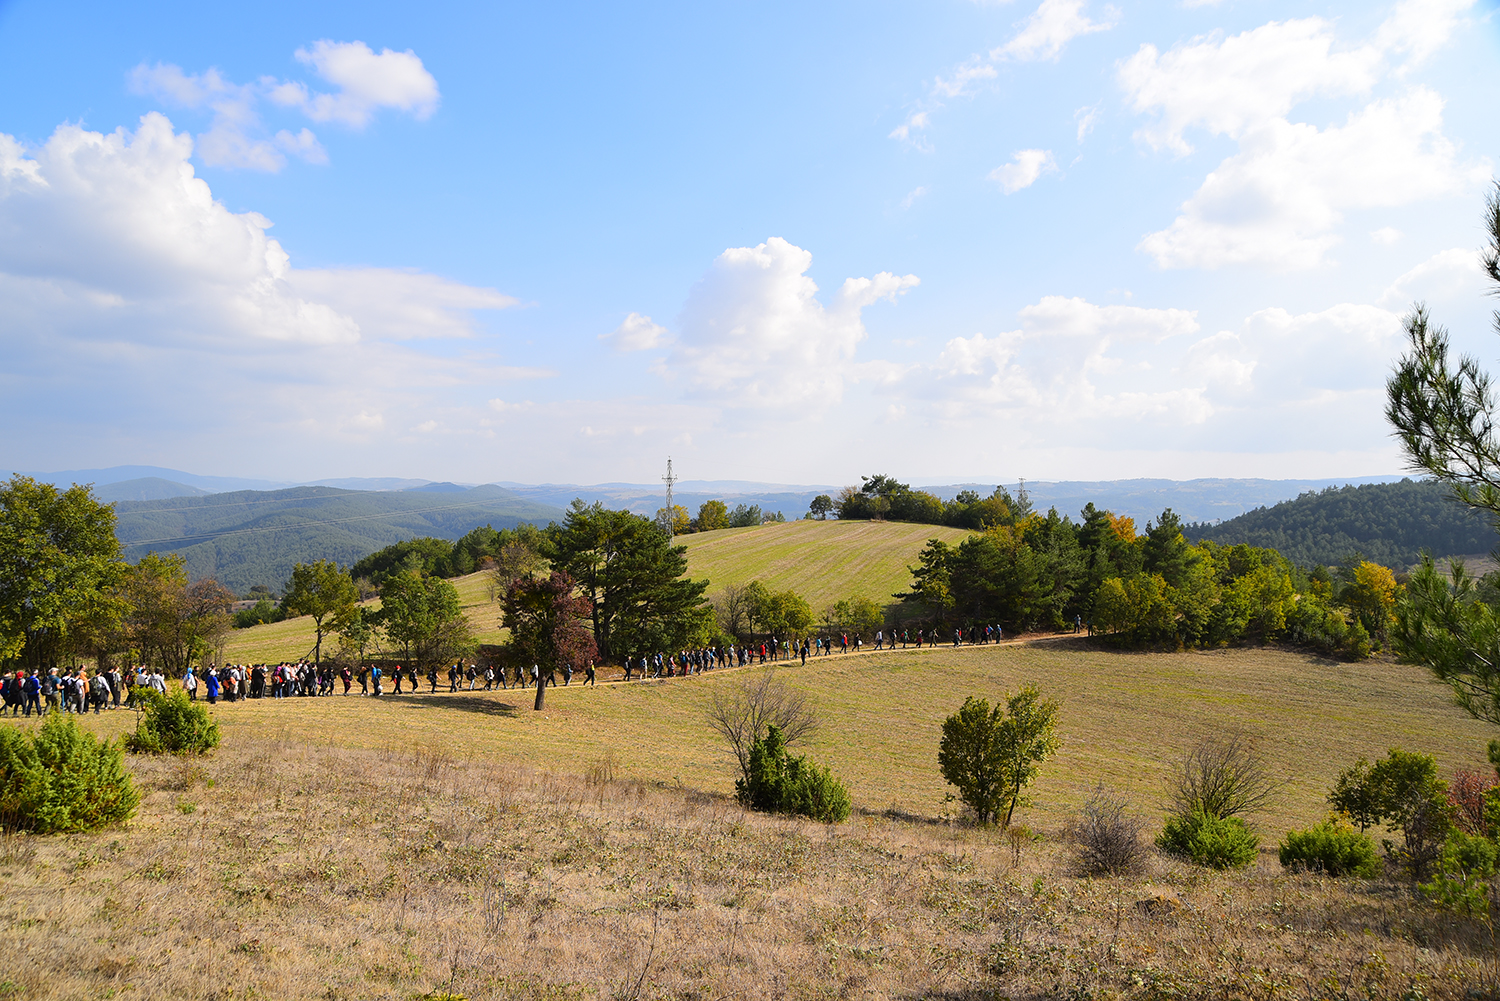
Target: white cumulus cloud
(1279,200)
(1050,28)
(753,332)
(1022,172)
(237,136)
(367,82)
(128,287)
(1229,86)
(636,333)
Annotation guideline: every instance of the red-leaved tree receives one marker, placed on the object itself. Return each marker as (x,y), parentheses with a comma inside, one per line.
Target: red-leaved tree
(1467,794)
(546,619)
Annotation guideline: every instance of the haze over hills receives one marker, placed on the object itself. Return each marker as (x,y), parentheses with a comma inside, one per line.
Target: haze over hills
(1200,500)
(251,537)
(247,535)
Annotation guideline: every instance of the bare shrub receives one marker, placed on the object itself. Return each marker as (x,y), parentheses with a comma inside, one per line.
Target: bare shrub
(1105,839)
(602,771)
(742,712)
(1223,776)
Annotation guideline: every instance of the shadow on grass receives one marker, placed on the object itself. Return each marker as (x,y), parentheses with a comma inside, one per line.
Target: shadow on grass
(463,703)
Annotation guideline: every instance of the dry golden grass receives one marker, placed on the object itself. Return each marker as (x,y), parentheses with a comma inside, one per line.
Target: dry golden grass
(288,869)
(1125,717)
(292,639)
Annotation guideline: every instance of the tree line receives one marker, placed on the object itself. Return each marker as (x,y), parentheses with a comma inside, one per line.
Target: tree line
(603,585)
(1388,523)
(1150,589)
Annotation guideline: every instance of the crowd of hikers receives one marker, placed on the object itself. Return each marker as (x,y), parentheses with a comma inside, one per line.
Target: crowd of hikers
(77,690)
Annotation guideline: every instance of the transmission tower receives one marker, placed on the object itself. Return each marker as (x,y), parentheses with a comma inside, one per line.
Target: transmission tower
(669,479)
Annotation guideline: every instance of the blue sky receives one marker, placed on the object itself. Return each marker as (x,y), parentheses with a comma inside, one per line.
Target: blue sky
(790,243)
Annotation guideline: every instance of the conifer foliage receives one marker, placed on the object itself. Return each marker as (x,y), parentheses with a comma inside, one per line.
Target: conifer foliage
(60,778)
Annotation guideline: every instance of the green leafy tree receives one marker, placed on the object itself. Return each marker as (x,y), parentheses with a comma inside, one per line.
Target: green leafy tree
(634,578)
(323,591)
(677,520)
(783,614)
(992,754)
(424,555)
(712,516)
(1402,791)
(59,564)
(859,616)
(356,632)
(423,616)
(169,621)
(821,507)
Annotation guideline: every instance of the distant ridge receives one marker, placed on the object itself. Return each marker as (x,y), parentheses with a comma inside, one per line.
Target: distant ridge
(251,537)
(1387,523)
(145,488)
(1204,500)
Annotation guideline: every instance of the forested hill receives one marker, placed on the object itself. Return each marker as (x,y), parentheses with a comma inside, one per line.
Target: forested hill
(250,537)
(1388,523)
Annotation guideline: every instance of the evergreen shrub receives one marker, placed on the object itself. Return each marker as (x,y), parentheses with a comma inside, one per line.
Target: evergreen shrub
(781,783)
(1216,842)
(173,724)
(1333,847)
(60,778)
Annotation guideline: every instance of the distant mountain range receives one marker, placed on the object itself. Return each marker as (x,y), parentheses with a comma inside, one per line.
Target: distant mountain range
(1202,500)
(250,537)
(248,531)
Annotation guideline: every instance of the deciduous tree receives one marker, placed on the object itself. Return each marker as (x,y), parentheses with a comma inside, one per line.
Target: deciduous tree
(59,564)
(546,618)
(423,616)
(712,515)
(992,754)
(324,591)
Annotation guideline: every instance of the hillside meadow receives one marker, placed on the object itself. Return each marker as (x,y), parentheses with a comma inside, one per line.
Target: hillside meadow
(463,846)
(823,561)
(1125,718)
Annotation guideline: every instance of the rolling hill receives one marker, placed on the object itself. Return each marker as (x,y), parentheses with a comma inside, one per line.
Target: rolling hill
(1387,523)
(251,537)
(821,560)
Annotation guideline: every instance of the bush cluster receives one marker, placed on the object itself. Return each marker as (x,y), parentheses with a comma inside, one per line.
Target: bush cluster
(1105,839)
(171,724)
(781,783)
(60,778)
(1333,847)
(1216,842)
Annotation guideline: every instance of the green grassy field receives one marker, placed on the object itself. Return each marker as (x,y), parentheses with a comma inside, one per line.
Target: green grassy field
(1124,719)
(821,560)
